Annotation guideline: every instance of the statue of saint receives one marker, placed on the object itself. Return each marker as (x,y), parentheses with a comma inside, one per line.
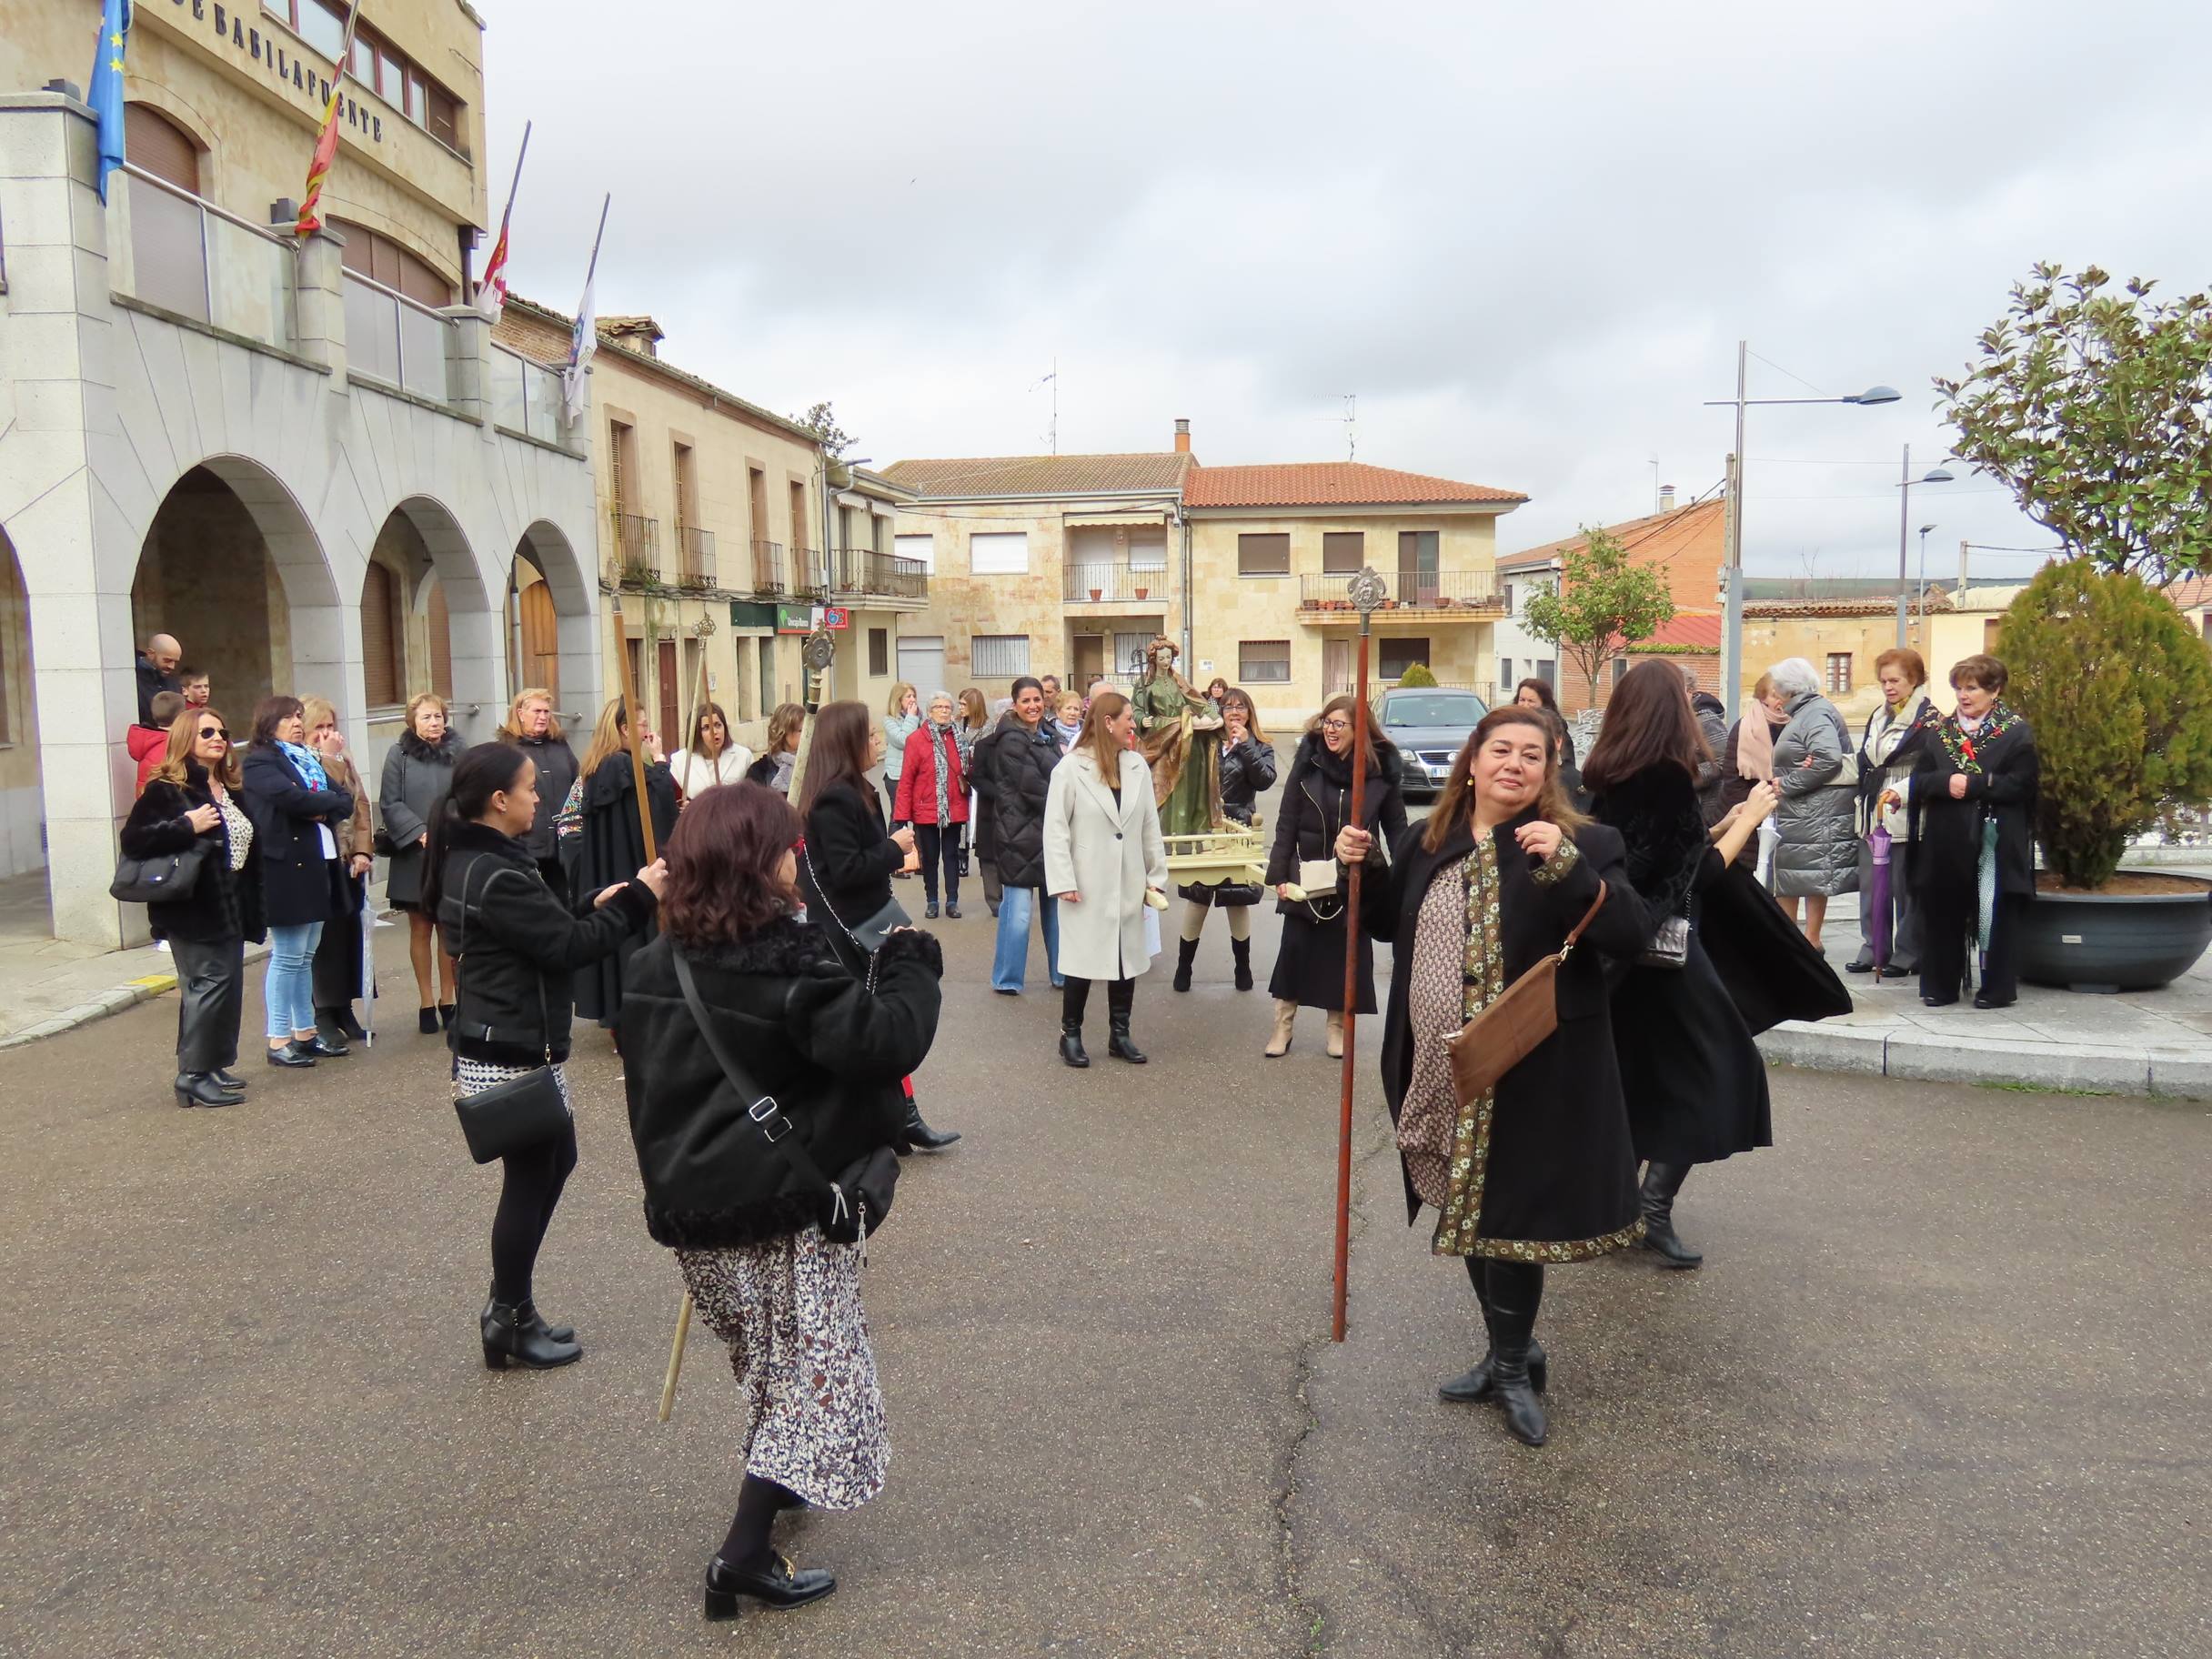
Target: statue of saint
(1186,773)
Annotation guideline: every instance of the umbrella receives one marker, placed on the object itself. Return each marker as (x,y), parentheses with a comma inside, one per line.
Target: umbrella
(1877,898)
(369,970)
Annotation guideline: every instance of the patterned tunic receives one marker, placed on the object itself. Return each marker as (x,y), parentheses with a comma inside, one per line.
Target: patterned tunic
(789,1308)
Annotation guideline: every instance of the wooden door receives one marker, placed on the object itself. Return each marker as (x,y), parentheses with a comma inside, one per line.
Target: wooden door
(1090,658)
(670,733)
(540,639)
(1335,667)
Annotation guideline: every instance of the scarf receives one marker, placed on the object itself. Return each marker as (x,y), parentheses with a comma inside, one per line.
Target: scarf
(309,764)
(1960,740)
(943,746)
(1755,746)
(1068,734)
(781,781)
(1887,727)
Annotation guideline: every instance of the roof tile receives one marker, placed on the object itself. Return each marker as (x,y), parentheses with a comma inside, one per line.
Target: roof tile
(1332,483)
(1042,475)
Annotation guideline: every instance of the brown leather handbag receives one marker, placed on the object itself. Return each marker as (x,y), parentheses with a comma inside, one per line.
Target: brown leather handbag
(1507,1032)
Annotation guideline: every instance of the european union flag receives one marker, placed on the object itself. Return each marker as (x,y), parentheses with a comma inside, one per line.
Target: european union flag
(108,85)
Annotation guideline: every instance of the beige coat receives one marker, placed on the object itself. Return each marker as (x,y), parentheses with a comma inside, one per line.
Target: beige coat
(1107,854)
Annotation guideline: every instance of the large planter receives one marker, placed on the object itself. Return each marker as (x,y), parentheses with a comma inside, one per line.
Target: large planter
(2117,941)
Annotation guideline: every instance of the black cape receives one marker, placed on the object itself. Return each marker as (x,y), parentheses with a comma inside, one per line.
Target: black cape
(611,850)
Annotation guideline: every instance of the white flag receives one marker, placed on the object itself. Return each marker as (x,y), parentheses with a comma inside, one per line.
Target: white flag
(585,341)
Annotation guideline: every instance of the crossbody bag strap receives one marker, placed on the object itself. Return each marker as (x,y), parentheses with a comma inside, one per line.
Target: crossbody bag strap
(1589,915)
(766,1113)
(822,893)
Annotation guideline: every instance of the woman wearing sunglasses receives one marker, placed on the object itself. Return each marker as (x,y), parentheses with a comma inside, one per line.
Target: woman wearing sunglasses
(193,798)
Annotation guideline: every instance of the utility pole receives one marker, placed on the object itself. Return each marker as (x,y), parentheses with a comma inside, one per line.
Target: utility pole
(1731,628)
(1962,574)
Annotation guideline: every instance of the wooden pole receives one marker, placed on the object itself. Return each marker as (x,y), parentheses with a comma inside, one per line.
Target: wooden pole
(1367,593)
(675,1358)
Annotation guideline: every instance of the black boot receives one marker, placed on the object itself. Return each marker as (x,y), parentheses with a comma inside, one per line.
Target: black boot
(534,1320)
(1071,1043)
(1661,1182)
(198,1088)
(1516,1290)
(1120,1003)
(1241,949)
(917,1134)
(224,1078)
(444,1016)
(348,1024)
(515,1336)
(329,1029)
(1472,1385)
(1186,952)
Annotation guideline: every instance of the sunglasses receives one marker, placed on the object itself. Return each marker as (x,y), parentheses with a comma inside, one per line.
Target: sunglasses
(214,731)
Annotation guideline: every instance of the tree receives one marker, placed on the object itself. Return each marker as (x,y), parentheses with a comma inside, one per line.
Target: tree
(821,420)
(2119,691)
(2096,412)
(1417,674)
(1604,602)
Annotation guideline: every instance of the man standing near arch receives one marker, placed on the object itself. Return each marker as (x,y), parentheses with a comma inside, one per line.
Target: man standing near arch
(157,673)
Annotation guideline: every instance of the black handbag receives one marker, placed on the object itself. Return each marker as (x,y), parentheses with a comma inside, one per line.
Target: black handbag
(858,1201)
(163,879)
(869,937)
(523,1111)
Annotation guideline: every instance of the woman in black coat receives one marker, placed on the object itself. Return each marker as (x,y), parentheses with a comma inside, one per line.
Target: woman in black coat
(193,799)
(1247,772)
(532,726)
(1022,752)
(1317,803)
(296,813)
(520,948)
(1973,813)
(1695,1081)
(744,1218)
(1541,1170)
(846,869)
(602,843)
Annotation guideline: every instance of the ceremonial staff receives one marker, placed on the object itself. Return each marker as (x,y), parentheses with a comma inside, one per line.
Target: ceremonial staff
(1366,591)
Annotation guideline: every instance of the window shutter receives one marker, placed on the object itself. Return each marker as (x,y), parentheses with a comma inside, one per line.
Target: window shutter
(441,641)
(157,144)
(379,639)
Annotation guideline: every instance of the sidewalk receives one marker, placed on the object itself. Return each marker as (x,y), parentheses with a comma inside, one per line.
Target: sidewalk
(2143,1042)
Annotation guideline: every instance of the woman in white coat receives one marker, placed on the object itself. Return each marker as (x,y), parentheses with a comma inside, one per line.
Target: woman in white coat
(1103,859)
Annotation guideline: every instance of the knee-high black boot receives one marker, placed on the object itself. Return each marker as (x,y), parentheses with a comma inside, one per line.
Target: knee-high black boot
(1074,997)
(1516,1290)
(1240,950)
(1661,1182)
(1186,953)
(1120,1003)
(1472,1385)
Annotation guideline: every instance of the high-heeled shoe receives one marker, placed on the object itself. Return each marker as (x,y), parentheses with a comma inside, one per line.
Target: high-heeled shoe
(197,1088)
(530,1317)
(426,1022)
(778,1584)
(444,1016)
(513,1338)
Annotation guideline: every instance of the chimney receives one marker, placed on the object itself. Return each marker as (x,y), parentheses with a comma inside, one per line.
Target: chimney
(1666,498)
(1182,437)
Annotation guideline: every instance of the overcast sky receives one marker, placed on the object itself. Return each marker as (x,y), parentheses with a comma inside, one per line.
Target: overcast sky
(1527,237)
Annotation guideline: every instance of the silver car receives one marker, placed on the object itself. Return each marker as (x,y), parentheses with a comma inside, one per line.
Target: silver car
(1428,725)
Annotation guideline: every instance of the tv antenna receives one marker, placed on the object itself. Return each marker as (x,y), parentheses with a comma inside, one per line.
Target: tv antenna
(1052,380)
(1352,425)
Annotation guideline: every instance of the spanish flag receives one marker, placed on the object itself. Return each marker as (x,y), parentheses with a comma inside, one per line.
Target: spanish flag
(326,140)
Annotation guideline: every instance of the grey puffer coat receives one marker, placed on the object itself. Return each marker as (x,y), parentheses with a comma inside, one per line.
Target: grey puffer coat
(1817,852)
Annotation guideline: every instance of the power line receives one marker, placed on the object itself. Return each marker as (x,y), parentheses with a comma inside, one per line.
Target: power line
(1792,373)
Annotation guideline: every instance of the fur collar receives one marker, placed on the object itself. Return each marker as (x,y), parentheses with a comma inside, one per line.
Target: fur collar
(444,749)
(787,948)
(468,836)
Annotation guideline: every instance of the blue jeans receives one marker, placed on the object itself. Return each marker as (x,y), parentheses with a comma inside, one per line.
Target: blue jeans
(1009,965)
(289,990)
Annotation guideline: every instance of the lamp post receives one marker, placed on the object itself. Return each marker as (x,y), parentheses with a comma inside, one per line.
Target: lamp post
(1731,636)
(1920,582)
(1935,475)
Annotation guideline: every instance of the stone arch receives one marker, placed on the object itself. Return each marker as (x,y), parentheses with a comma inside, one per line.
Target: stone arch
(545,558)
(472,633)
(23,853)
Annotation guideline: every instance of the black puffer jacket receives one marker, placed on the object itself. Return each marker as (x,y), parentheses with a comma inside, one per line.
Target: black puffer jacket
(803,1030)
(1021,765)
(519,946)
(1247,771)
(982,770)
(1317,803)
(222,904)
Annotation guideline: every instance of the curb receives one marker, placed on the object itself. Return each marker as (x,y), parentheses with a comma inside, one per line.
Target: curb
(1966,1061)
(115,1001)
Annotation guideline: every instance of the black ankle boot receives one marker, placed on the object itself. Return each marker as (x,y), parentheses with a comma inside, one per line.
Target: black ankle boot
(426,1022)
(919,1135)
(198,1088)
(444,1016)
(515,1336)
(532,1319)
(1241,949)
(224,1078)
(1071,1045)
(1661,1182)
(775,1583)
(1186,952)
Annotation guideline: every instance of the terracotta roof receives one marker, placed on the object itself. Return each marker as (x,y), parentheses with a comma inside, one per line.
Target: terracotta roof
(1042,475)
(1664,526)
(1702,632)
(1332,483)
(2189,594)
(1871,606)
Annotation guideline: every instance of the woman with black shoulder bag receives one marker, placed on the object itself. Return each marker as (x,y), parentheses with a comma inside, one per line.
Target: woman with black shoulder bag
(764,1084)
(519,948)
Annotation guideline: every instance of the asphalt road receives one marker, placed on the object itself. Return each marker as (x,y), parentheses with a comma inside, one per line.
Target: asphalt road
(1941,1388)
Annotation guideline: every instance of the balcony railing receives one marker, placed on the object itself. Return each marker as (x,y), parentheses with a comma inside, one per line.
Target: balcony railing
(189,257)
(1429,593)
(866,572)
(398,341)
(695,565)
(525,397)
(764,571)
(1108,581)
(636,547)
(810,573)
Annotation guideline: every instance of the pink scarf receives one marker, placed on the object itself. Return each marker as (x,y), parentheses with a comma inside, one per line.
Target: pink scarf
(1755,746)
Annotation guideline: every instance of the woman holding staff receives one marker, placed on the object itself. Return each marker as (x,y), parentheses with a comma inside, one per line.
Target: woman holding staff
(1542,1170)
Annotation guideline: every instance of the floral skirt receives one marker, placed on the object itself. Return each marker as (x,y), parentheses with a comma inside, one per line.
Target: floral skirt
(789,1309)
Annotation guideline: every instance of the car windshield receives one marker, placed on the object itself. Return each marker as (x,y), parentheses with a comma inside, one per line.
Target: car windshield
(1433,708)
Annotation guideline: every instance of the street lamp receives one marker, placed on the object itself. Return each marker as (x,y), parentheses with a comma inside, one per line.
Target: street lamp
(1731,636)
(1935,475)
(1921,584)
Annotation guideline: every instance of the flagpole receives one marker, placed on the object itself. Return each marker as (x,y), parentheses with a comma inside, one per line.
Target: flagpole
(592,269)
(499,269)
(516,185)
(327,130)
(1366,592)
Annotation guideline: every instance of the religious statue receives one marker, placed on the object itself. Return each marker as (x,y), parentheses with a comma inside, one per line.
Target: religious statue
(1186,776)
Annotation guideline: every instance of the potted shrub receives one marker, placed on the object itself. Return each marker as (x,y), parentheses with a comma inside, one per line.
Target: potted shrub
(2091,408)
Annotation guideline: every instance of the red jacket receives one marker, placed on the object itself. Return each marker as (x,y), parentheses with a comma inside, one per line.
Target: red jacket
(147,745)
(926,749)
